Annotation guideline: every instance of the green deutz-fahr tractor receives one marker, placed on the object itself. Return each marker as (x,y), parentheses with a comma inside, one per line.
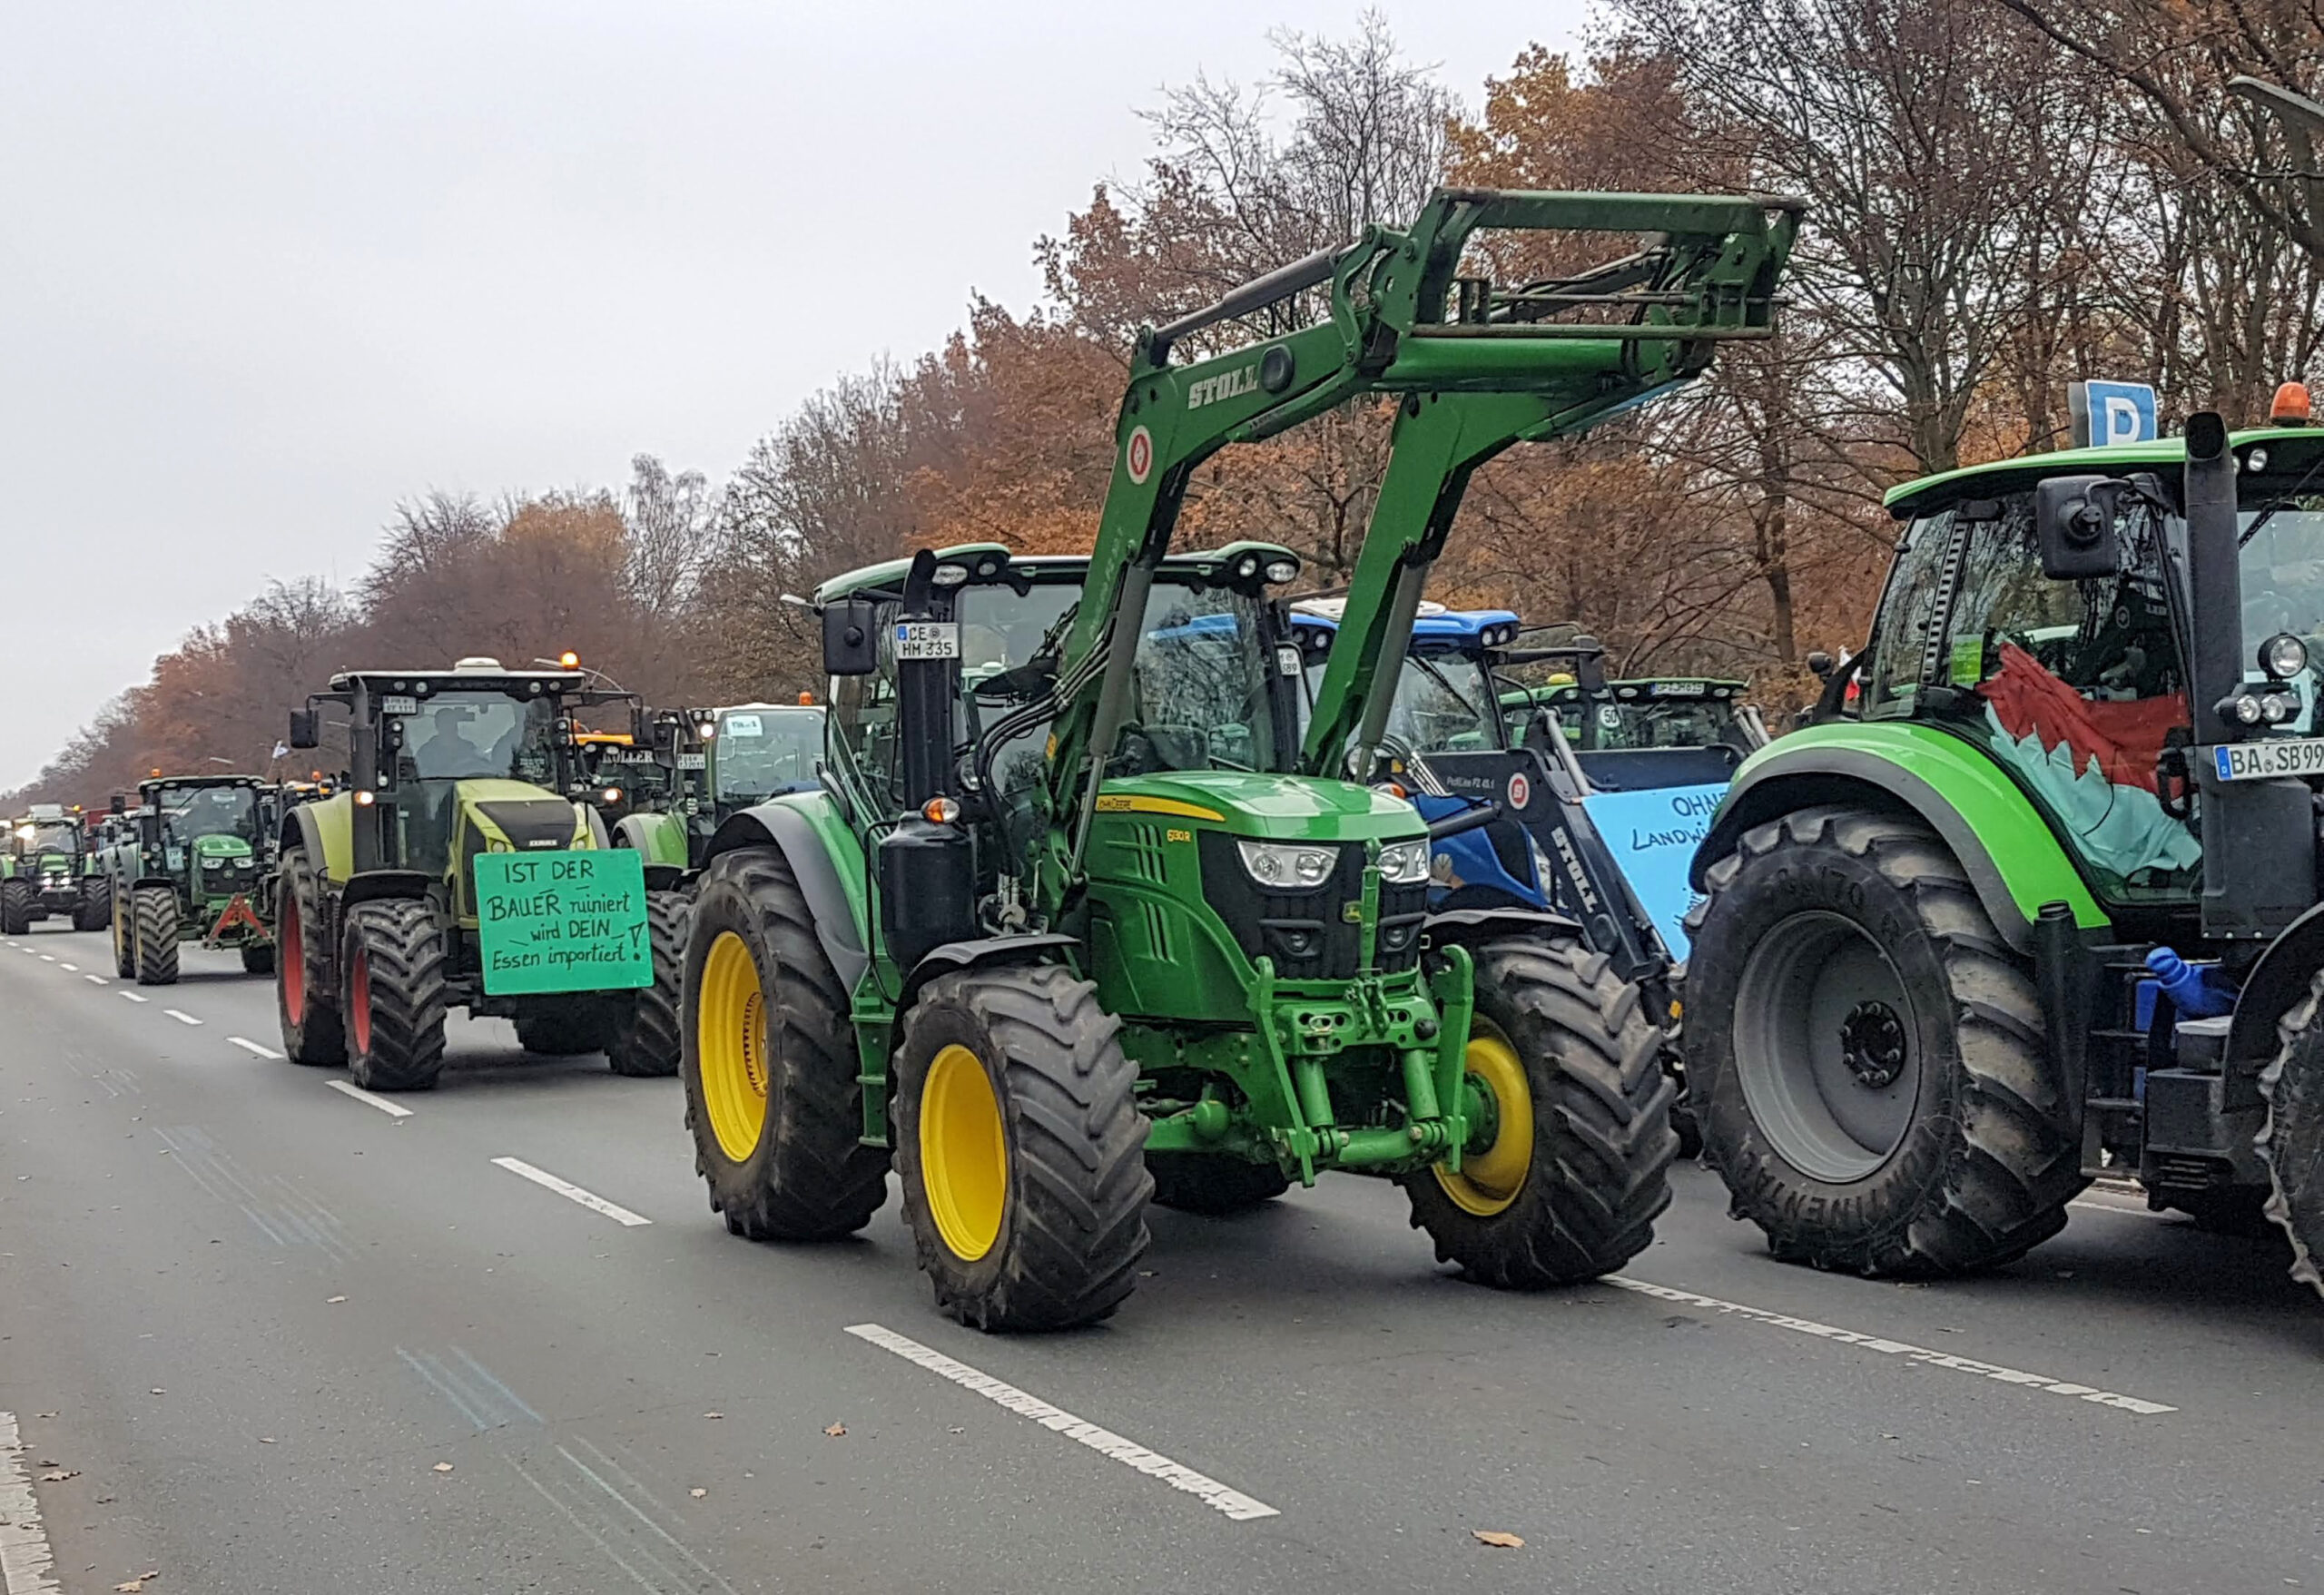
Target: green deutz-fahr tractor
(192,866)
(2043,903)
(1044,928)
(49,868)
(450,870)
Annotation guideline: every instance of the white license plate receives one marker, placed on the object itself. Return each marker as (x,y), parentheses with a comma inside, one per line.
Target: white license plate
(927,639)
(2265,760)
(395,705)
(692,762)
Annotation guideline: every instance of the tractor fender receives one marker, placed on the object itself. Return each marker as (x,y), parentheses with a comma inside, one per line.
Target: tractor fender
(325,831)
(2281,977)
(664,877)
(983,952)
(660,837)
(1466,927)
(381,885)
(2014,860)
(808,842)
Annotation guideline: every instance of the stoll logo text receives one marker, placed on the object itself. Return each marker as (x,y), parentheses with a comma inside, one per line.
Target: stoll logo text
(1211,390)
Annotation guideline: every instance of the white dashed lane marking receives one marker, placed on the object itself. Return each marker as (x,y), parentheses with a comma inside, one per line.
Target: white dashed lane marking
(71,969)
(253,1047)
(24,1555)
(571,1192)
(96,979)
(48,958)
(129,997)
(182,1016)
(349,1089)
(1896,1348)
(1236,1505)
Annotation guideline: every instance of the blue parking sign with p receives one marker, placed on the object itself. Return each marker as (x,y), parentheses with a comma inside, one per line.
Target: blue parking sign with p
(2111,412)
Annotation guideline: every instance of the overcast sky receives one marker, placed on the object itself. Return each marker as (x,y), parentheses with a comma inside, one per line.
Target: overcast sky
(265,269)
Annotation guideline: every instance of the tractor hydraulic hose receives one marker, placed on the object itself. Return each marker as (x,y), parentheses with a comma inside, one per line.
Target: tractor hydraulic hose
(1255,295)
(1461,822)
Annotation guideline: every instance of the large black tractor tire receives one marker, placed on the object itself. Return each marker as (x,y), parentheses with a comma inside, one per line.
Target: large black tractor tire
(16,906)
(154,930)
(257,957)
(646,1030)
(1870,1056)
(1195,1182)
(567,1026)
(1020,1147)
(768,1060)
(94,912)
(2291,1141)
(306,977)
(125,938)
(391,998)
(1578,1163)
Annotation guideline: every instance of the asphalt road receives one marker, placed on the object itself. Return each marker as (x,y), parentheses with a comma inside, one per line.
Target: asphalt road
(278,1339)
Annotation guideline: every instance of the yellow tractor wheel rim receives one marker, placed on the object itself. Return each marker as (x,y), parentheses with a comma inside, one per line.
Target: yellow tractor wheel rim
(963,1154)
(730,1039)
(1491,1175)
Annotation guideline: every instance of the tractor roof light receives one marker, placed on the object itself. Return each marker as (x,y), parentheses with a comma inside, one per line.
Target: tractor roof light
(2290,405)
(612,794)
(2283,655)
(568,660)
(1247,566)
(950,576)
(1280,571)
(806,700)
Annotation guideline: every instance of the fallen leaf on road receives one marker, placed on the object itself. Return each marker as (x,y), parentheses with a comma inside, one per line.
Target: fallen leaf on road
(332,1301)
(697,1494)
(443,1467)
(58,1475)
(1495,1537)
(107,1499)
(43,1415)
(49,1461)
(266,1440)
(836,1429)
(131,1588)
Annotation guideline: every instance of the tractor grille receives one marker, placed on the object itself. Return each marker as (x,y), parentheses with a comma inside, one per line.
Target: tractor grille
(1307,934)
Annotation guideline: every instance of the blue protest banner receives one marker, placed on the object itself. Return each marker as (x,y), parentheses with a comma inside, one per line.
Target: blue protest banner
(1652,836)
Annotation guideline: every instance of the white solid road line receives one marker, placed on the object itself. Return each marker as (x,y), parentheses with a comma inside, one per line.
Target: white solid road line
(129,997)
(571,1192)
(182,1016)
(1105,1441)
(24,1555)
(249,1046)
(349,1089)
(1896,1348)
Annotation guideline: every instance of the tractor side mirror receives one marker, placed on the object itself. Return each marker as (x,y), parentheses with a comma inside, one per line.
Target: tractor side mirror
(120,804)
(2073,519)
(1590,667)
(1821,665)
(850,645)
(306,728)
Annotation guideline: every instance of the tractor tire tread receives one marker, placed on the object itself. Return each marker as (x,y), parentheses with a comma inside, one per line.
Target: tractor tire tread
(403,946)
(153,930)
(646,1041)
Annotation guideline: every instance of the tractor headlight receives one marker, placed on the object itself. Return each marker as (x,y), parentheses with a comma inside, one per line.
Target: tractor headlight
(2283,655)
(1404,863)
(1286,866)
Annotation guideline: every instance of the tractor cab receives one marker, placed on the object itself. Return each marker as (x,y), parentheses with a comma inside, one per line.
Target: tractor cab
(758,751)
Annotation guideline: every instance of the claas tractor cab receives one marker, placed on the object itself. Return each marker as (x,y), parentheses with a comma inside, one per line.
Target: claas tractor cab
(453,869)
(47,868)
(193,866)
(2044,904)
(1078,916)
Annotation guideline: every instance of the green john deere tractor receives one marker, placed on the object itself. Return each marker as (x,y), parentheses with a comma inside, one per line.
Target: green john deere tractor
(1075,909)
(2036,898)
(49,868)
(451,869)
(192,867)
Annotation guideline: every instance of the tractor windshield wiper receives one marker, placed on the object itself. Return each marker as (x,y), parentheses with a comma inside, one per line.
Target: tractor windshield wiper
(1440,679)
(2269,514)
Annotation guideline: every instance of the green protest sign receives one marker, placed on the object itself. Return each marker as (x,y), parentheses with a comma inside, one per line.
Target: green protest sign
(562,921)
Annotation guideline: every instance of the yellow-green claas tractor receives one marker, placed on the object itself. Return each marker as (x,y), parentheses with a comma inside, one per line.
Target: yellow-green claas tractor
(451,871)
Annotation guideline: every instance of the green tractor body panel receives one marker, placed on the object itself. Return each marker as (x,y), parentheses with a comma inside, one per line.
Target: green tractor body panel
(664,839)
(2012,853)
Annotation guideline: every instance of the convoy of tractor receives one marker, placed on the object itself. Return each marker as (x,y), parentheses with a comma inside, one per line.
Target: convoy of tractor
(1138,878)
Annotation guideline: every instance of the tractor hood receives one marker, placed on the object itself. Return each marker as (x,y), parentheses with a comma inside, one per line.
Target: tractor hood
(221,847)
(525,817)
(1284,808)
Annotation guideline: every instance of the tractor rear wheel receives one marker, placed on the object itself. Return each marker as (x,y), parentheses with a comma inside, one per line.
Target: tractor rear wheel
(2292,1142)
(94,912)
(1021,1148)
(125,938)
(16,906)
(257,957)
(1198,1182)
(769,1063)
(1574,1164)
(392,995)
(646,1030)
(154,927)
(571,1027)
(306,981)
(1869,1055)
